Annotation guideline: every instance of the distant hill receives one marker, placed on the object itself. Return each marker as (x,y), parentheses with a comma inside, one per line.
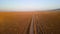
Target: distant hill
(55,9)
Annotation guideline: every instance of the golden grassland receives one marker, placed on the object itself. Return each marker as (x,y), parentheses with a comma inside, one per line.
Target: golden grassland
(14,22)
(18,22)
(49,22)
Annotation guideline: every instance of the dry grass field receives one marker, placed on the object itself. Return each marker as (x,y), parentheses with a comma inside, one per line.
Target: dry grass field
(18,22)
(14,22)
(49,22)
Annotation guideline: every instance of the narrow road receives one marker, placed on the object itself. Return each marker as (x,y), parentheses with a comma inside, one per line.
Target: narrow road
(34,26)
(31,31)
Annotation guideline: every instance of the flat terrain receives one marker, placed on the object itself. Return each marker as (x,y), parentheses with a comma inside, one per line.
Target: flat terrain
(49,22)
(20,22)
(14,22)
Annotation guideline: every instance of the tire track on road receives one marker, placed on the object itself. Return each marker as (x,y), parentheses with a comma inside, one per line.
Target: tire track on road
(38,27)
(31,31)
(30,28)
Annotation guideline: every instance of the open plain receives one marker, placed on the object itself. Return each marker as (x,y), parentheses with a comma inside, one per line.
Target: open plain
(44,22)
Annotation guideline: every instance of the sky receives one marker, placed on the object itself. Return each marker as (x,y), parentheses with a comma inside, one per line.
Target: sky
(24,5)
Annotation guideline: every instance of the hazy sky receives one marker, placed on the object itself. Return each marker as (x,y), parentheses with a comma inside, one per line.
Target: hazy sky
(29,4)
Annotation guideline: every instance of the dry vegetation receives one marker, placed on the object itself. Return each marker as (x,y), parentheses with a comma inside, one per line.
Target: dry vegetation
(18,22)
(14,23)
(49,22)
